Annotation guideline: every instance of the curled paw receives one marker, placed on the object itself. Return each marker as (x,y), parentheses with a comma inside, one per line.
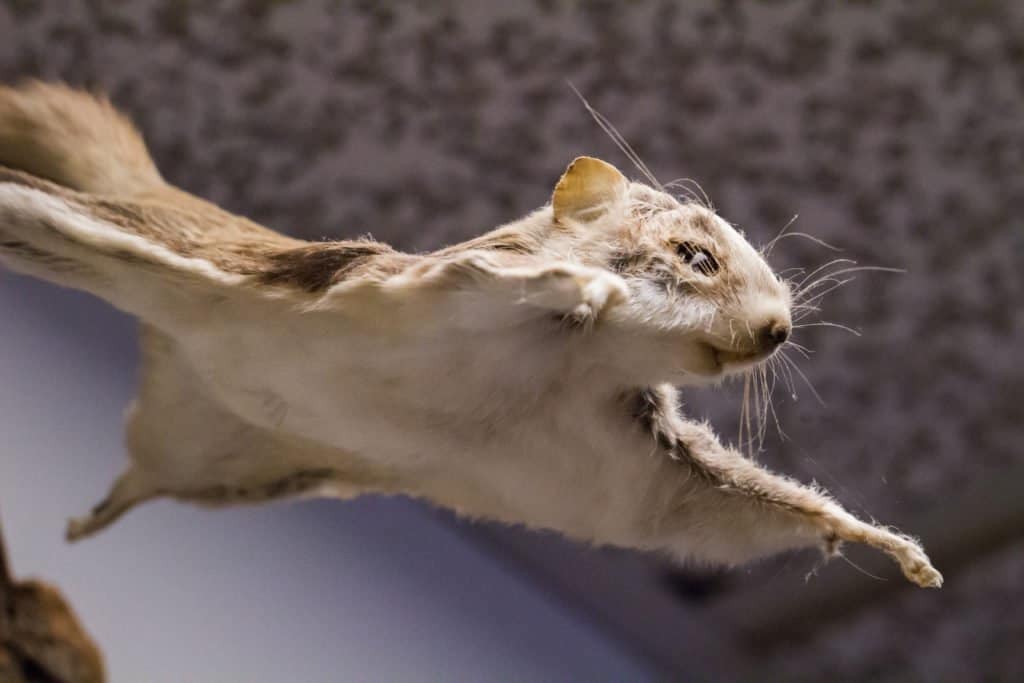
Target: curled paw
(597,291)
(917,567)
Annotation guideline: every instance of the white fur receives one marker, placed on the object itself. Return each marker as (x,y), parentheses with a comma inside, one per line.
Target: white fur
(453,383)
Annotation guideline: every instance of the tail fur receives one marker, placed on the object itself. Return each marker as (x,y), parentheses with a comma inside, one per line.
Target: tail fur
(73,138)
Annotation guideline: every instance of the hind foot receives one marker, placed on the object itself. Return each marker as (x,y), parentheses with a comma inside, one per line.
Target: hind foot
(128,491)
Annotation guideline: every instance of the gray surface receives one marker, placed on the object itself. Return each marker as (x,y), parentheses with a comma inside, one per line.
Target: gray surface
(374,590)
(892,128)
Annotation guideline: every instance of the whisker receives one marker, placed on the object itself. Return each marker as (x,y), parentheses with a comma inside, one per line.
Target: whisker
(617,138)
(821,268)
(745,413)
(758,406)
(774,366)
(826,323)
(767,248)
(802,350)
(803,313)
(804,287)
(816,240)
(701,199)
(817,297)
(788,376)
(796,268)
(859,269)
(833,276)
(766,402)
(863,571)
(800,372)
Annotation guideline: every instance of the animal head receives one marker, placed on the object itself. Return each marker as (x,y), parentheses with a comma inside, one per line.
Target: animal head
(702,297)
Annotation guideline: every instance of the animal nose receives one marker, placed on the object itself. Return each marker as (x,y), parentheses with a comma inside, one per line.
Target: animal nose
(774,334)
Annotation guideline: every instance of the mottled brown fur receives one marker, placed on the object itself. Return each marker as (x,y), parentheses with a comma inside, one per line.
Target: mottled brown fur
(70,137)
(196,229)
(318,266)
(232,244)
(713,301)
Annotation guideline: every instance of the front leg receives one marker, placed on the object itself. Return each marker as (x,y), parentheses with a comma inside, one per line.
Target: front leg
(484,287)
(734,510)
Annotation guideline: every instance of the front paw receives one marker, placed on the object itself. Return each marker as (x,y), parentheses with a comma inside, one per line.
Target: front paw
(917,567)
(576,293)
(599,291)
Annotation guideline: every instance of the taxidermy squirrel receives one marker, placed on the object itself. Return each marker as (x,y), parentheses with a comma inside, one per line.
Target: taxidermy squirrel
(525,376)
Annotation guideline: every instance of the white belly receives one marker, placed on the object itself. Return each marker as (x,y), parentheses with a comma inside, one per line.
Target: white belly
(506,414)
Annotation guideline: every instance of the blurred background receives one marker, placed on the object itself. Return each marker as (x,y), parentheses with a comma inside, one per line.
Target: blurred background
(895,130)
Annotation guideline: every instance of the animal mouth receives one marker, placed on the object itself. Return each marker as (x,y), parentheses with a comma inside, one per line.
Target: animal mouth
(729,359)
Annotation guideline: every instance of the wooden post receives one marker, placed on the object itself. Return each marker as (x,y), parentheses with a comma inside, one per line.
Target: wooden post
(41,640)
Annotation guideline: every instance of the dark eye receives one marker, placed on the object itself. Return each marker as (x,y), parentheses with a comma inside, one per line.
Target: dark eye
(698,258)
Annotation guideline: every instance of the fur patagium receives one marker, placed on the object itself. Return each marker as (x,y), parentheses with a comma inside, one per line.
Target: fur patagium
(525,376)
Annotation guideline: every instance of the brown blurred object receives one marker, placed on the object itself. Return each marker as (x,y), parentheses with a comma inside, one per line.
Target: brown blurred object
(41,640)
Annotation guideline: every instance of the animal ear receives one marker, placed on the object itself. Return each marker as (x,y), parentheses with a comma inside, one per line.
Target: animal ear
(587,190)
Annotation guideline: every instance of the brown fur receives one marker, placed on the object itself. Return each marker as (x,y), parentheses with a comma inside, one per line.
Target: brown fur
(559,260)
(71,137)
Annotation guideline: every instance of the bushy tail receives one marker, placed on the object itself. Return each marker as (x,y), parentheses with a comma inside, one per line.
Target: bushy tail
(73,138)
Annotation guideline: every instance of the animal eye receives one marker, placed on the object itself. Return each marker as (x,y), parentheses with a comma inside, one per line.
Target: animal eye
(698,258)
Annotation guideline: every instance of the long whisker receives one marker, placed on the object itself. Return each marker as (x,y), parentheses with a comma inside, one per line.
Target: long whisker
(800,348)
(800,372)
(775,377)
(617,138)
(767,249)
(822,267)
(758,408)
(804,311)
(825,323)
(800,297)
(861,569)
(745,413)
(795,268)
(816,240)
(766,403)
(814,300)
(702,199)
(860,269)
(688,192)
(833,276)
(787,375)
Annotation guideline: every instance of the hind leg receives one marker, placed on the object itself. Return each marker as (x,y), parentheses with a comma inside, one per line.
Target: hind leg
(733,510)
(786,513)
(184,445)
(130,489)
(907,552)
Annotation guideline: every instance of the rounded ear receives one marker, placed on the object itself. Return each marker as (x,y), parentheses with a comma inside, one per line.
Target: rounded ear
(588,189)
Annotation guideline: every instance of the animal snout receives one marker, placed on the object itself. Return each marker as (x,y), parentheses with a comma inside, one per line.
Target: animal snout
(774,334)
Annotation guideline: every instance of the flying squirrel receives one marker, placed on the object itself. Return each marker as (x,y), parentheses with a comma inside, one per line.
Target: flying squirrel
(527,376)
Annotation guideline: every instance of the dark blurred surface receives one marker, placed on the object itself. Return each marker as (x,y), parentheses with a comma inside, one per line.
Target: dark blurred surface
(893,129)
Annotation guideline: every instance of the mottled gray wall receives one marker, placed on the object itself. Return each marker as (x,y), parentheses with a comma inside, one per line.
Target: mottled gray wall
(893,129)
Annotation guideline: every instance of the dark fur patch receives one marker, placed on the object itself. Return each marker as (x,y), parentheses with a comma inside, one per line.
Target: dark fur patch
(27,252)
(628,262)
(9,175)
(23,249)
(703,222)
(650,407)
(317,267)
(517,244)
(101,507)
(653,407)
(300,481)
(190,227)
(292,484)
